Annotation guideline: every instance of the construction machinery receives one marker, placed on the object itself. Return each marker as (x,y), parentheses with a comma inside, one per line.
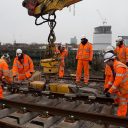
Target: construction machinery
(39,8)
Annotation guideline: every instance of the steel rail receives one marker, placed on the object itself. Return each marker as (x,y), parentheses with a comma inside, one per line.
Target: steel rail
(92,79)
(85,98)
(81,97)
(65,112)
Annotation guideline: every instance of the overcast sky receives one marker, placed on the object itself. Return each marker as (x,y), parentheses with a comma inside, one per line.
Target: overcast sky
(15,24)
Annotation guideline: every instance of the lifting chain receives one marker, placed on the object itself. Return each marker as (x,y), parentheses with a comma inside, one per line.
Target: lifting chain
(51,20)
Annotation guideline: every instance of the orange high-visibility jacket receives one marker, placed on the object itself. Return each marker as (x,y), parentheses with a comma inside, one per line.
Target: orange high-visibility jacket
(122,53)
(57,51)
(108,77)
(64,54)
(62,57)
(4,71)
(121,79)
(23,69)
(85,52)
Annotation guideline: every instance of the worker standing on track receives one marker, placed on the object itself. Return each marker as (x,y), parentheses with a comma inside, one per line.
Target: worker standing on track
(63,54)
(84,57)
(23,67)
(121,51)
(4,72)
(120,83)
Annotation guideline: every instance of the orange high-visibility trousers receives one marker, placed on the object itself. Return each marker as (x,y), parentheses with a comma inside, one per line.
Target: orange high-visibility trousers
(61,69)
(61,72)
(82,64)
(123,106)
(1,92)
(122,110)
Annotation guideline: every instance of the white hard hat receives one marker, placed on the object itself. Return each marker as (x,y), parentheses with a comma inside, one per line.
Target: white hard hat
(6,56)
(119,39)
(18,51)
(109,56)
(63,46)
(109,48)
(83,36)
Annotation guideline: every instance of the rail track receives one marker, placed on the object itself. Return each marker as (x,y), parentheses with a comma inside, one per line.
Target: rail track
(84,109)
(52,110)
(73,77)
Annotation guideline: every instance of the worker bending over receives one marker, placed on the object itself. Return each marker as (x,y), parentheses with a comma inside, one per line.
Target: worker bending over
(23,67)
(84,57)
(120,82)
(4,72)
(109,75)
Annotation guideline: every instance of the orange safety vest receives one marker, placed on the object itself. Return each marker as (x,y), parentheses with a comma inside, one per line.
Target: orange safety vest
(64,54)
(122,53)
(23,69)
(4,71)
(85,52)
(120,83)
(62,57)
(108,77)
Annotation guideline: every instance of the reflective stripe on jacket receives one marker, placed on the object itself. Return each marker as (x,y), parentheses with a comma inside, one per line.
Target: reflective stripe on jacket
(121,79)
(108,77)
(23,69)
(4,71)
(122,53)
(85,52)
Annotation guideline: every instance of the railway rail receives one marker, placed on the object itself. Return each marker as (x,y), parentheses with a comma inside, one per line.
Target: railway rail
(73,77)
(51,110)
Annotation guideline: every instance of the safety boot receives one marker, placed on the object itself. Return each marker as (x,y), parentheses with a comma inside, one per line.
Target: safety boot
(85,85)
(78,84)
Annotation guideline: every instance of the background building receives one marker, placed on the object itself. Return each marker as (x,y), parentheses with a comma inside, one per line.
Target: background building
(73,40)
(102,37)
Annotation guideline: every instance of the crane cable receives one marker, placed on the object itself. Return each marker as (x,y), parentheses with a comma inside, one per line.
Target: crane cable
(51,20)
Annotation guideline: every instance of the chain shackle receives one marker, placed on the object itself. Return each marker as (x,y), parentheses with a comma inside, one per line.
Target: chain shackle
(52,24)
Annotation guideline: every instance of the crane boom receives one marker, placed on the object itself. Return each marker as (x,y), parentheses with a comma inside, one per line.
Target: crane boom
(38,8)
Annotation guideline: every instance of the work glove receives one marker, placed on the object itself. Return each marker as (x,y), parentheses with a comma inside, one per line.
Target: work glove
(106,90)
(126,63)
(90,62)
(14,79)
(108,94)
(32,73)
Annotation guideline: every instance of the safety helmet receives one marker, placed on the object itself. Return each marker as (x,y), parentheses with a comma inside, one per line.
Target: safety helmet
(119,39)
(109,48)
(63,46)
(18,52)
(108,56)
(83,36)
(6,56)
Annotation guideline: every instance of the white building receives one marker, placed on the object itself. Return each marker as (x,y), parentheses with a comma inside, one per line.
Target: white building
(102,37)
(73,40)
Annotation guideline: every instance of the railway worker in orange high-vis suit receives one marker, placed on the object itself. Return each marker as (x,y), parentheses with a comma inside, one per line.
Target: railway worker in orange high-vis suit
(121,51)
(84,57)
(63,54)
(23,67)
(4,72)
(120,83)
(109,75)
